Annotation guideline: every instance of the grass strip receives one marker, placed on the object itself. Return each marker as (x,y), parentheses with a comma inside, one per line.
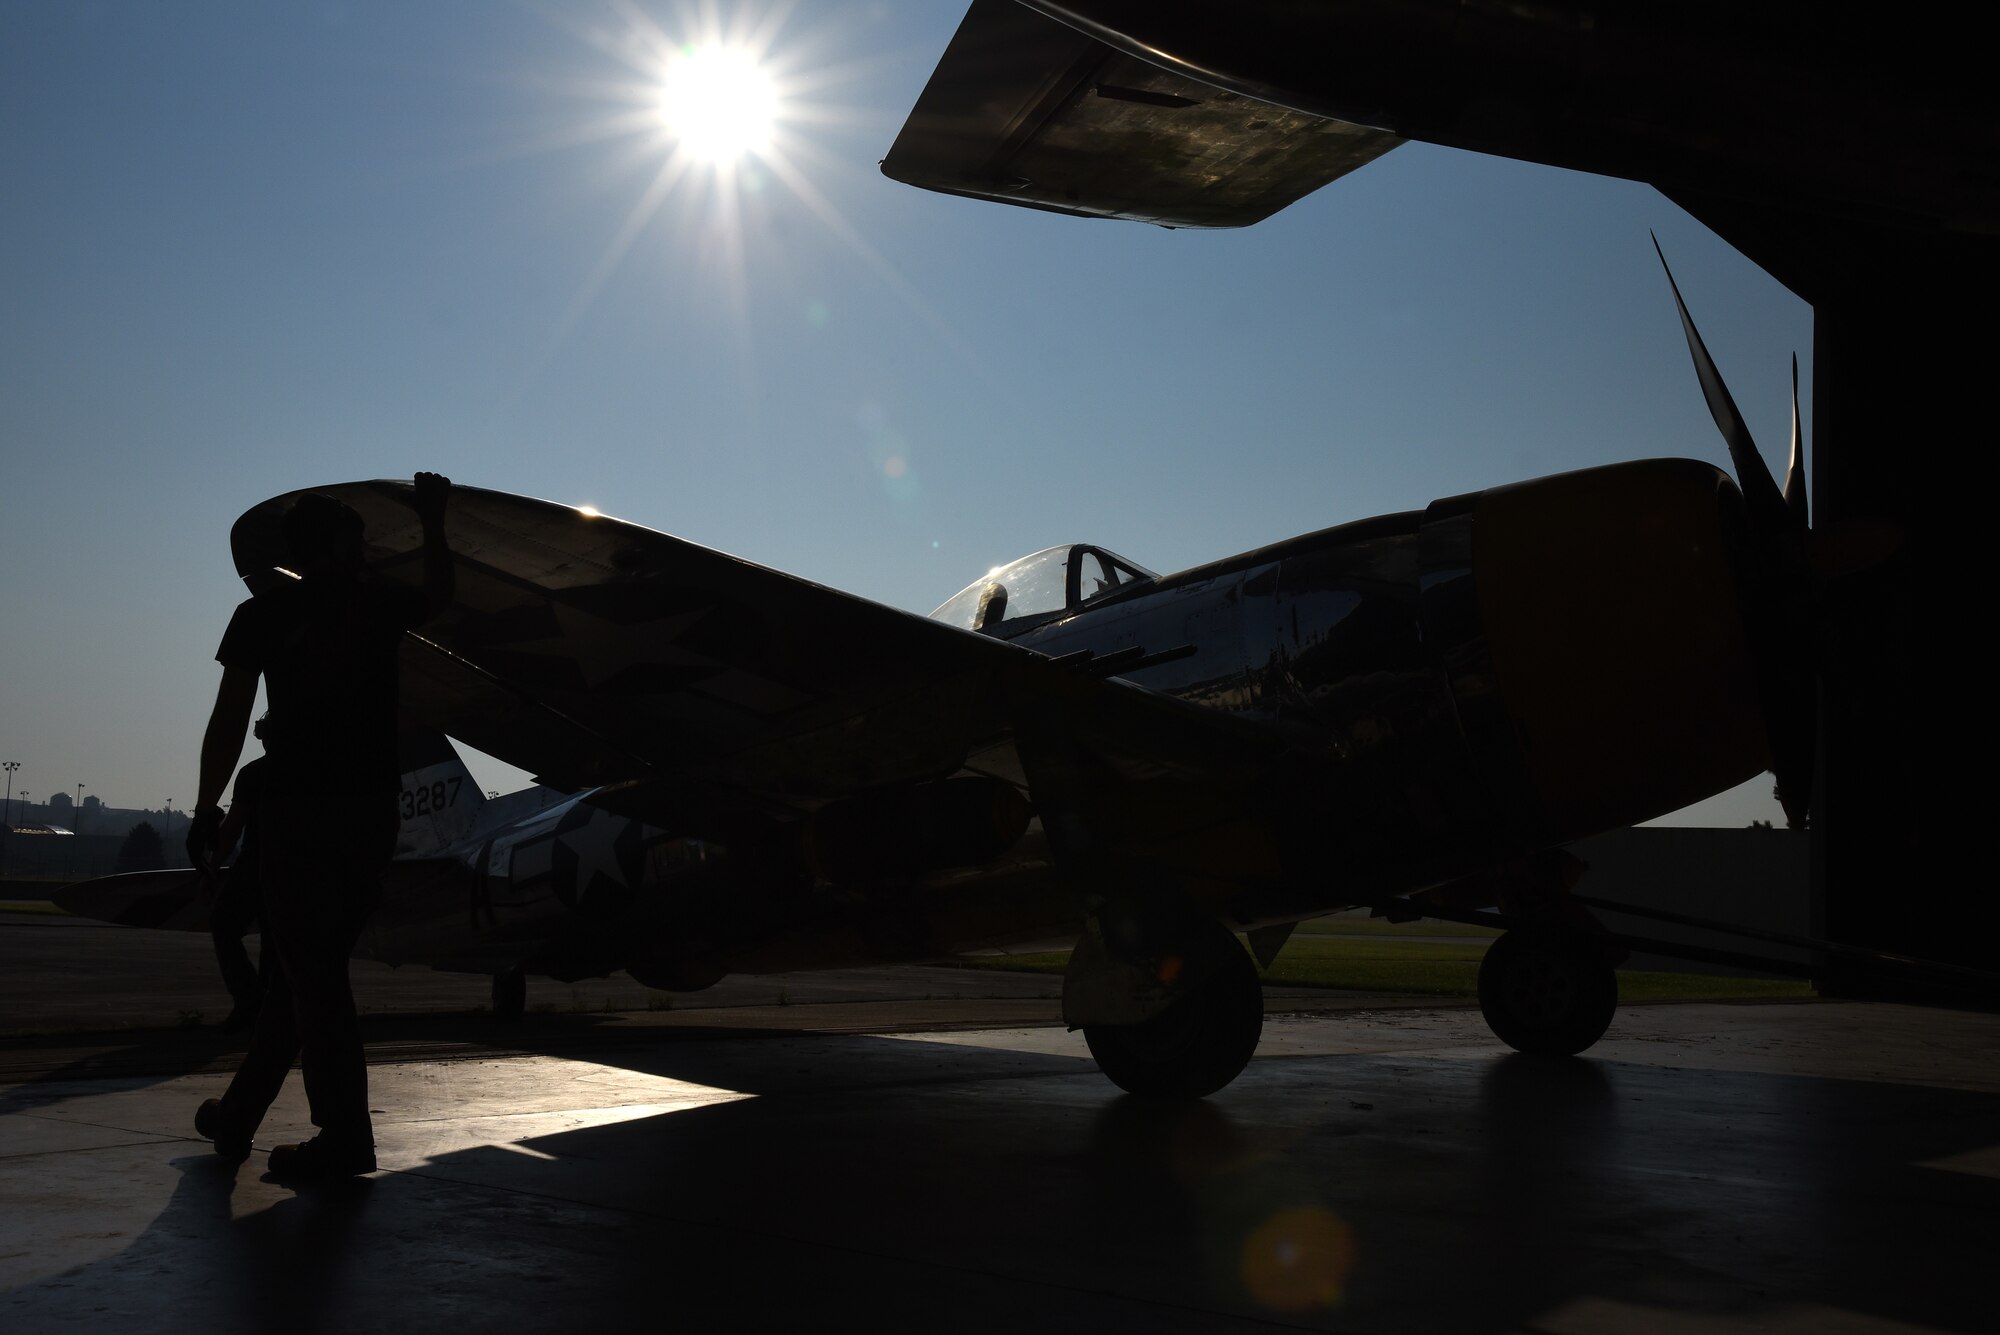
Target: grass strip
(1428,968)
(1342,924)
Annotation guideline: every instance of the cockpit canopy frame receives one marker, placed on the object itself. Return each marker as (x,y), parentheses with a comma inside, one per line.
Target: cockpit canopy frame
(1041,587)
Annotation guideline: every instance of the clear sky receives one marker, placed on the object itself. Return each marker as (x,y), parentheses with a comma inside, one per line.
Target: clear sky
(246,248)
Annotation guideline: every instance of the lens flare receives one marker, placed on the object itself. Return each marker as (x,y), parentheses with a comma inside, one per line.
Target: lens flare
(1297,1260)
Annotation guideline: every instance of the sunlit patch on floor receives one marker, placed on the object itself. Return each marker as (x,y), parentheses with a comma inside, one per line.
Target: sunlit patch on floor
(1978,1163)
(513,1147)
(413,1144)
(1040,1040)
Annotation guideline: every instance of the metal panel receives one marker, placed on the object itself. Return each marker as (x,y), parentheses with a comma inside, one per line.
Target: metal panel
(1028,111)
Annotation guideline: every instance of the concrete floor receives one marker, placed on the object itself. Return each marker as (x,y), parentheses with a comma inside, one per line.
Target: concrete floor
(1802,1167)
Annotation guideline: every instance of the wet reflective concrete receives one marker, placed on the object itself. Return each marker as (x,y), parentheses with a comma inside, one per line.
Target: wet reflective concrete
(1718,1168)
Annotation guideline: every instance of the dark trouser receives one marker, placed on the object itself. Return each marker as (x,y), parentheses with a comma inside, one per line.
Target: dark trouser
(321,876)
(234,913)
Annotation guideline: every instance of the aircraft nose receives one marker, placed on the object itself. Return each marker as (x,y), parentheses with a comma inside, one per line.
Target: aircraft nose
(1592,626)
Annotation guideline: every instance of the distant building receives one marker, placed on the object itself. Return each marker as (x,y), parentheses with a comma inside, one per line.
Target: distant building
(58,840)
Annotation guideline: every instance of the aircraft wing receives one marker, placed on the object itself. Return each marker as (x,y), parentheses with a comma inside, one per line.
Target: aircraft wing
(1026,110)
(174,899)
(703,687)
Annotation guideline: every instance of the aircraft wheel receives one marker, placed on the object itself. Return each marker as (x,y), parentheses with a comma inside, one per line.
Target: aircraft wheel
(1545,993)
(1196,1045)
(510,995)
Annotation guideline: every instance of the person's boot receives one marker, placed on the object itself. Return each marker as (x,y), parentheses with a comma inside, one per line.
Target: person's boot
(213,1122)
(322,1159)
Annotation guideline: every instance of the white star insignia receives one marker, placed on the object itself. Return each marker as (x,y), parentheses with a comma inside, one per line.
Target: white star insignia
(595,844)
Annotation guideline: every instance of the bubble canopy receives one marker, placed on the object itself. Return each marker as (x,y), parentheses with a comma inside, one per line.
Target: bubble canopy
(1039,587)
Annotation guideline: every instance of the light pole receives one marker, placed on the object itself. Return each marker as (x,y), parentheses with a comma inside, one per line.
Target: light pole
(7,819)
(75,833)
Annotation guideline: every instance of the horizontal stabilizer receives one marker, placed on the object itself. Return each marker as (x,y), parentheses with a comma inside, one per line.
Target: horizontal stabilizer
(1025,110)
(174,900)
(179,899)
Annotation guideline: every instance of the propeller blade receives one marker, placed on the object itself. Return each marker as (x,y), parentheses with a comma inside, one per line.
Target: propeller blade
(1795,470)
(1753,475)
(1788,685)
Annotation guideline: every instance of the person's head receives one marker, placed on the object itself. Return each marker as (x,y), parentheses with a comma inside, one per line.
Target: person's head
(992,606)
(323,535)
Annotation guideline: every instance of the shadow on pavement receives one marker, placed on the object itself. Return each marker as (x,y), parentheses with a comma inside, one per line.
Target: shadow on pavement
(911,1184)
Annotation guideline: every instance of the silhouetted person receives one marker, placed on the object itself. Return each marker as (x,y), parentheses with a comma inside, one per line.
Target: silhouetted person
(234,910)
(326,647)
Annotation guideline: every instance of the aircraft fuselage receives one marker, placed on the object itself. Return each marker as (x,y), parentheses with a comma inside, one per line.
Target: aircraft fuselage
(1499,673)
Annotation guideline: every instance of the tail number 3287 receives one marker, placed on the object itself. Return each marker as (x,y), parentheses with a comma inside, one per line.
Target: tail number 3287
(427,799)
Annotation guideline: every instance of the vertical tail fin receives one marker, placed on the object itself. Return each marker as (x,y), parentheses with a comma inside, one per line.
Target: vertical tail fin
(439,802)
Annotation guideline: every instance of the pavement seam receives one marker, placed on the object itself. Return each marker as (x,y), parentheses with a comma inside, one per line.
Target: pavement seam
(150,1139)
(45,1116)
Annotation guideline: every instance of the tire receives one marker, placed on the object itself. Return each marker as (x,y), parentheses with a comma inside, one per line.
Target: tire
(1196,1045)
(1546,993)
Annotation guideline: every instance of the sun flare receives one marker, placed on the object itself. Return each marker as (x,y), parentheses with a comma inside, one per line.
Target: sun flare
(719,103)
(721,114)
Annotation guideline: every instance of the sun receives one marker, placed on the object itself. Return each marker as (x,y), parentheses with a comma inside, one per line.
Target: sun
(719,103)
(720,111)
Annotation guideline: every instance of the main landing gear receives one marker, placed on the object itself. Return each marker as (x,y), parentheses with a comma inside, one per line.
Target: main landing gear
(1547,991)
(1169,1011)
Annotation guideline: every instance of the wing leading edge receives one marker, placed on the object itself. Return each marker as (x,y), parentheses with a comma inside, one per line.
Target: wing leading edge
(597,652)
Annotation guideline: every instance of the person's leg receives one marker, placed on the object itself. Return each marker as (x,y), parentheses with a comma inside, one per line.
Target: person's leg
(239,975)
(274,1046)
(337,875)
(234,913)
(330,1052)
(232,1120)
(274,1040)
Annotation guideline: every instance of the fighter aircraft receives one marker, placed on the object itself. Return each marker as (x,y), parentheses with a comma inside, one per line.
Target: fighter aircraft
(1412,712)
